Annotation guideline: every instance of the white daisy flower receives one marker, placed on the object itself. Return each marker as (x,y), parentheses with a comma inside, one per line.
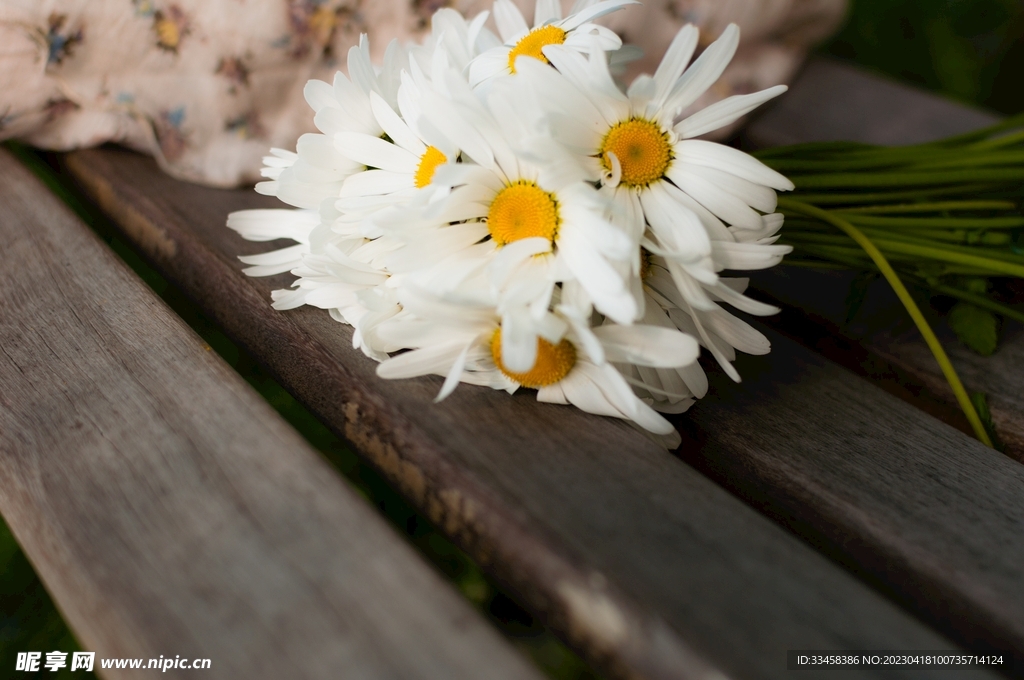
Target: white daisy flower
(675,193)
(271,225)
(396,165)
(531,223)
(463,341)
(336,272)
(318,169)
(575,31)
(459,40)
(380,161)
(633,146)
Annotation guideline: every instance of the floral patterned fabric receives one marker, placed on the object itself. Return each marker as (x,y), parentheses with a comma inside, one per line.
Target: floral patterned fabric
(207,87)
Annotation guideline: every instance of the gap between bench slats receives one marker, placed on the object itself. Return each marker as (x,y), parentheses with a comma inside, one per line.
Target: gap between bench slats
(834,101)
(166,506)
(646,566)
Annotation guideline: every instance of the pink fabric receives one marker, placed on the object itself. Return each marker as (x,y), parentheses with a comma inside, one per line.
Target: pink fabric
(208,86)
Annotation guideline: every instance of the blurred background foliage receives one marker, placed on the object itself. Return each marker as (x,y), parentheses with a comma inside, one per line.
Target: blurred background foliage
(970,50)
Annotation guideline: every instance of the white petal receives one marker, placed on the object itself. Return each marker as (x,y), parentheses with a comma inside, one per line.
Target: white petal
(374,152)
(436,359)
(552,394)
(360,68)
(304,195)
(274,262)
(547,11)
(722,157)
(395,127)
(491,63)
(512,255)
(695,378)
(451,381)
(318,151)
(272,224)
(375,182)
(704,72)
(672,64)
(518,341)
(714,198)
(556,91)
(717,231)
(647,345)
(741,302)
(318,95)
(678,229)
(580,391)
(593,12)
(748,256)
(725,112)
(592,78)
(615,388)
(738,333)
(443,115)
(354,103)
(510,21)
(332,296)
(641,91)
(288,299)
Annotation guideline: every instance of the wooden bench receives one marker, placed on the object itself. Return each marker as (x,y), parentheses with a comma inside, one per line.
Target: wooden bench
(169,510)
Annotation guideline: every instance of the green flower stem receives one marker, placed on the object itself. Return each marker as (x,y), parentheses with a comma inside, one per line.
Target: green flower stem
(938,237)
(1005,124)
(967,159)
(928,222)
(885,197)
(976,300)
(996,263)
(940,206)
(999,142)
(904,179)
(815,264)
(811,147)
(854,161)
(908,302)
(959,237)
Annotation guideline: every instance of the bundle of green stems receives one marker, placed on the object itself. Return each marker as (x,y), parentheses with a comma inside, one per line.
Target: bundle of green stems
(941,216)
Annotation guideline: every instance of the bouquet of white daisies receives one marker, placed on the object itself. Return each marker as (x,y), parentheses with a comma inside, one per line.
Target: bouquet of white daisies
(497,211)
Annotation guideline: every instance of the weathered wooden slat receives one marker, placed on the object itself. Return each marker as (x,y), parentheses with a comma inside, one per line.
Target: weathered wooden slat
(834,101)
(166,506)
(932,518)
(647,567)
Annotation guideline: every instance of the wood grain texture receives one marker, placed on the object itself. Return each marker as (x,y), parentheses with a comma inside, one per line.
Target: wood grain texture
(856,106)
(933,518)
(642,563)
(169,510)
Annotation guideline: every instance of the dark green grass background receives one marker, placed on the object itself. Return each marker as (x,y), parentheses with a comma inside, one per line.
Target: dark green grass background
(971,50)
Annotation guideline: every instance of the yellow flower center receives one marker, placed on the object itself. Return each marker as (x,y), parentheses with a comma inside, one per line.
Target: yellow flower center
(429,161)
(530,45)
(642,148)
(522,210)
(553,362)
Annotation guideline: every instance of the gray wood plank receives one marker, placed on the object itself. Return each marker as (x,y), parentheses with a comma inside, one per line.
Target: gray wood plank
(858,106)
(169,510)
(832,100)
(639,561)
(916,508)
